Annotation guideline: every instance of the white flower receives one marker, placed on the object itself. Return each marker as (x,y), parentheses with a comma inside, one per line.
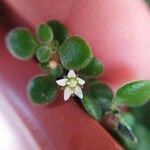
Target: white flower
(72,85)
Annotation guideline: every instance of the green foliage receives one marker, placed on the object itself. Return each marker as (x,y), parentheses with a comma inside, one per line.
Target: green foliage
(57,72)
(75,53)
(93,109)
(97,100)
(101,94)
(129,118)
(21,43)
(59,30)
(125,131)
(54,45)
(141,114)
(93,69)
(148,2)
(42,89)
(43,53)
(44,66)
(133,94)
(142,126)
(44,33)
(143,136)
(142,133)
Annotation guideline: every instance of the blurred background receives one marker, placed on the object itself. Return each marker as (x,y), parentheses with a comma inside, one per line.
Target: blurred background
(24,127)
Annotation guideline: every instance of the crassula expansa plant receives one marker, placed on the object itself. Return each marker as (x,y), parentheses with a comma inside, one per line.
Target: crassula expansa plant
(69,65)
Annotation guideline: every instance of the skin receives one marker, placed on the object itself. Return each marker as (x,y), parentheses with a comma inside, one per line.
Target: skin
(119,34)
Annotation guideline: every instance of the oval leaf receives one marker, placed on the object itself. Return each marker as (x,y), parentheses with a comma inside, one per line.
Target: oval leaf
(21,43)
(44,33)
(97,100)
(42,89)
(93,69)
(101,94)
(59,30)
(75,53)
(92,109)
(43,53)
(134,93)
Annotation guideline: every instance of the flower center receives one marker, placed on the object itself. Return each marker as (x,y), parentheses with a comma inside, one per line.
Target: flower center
(72,83)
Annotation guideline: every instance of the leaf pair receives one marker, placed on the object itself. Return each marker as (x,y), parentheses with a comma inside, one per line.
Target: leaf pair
(22,44)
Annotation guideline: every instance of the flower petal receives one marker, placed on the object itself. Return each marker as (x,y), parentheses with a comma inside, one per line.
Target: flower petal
(62,82)
(78,92)
(80,81)
(71,74)
(67,93)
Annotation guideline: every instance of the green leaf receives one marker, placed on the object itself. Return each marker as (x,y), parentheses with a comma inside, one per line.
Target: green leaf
(43,53)
(59,30)
(97,99)
(44,33)
(143,136)
(42,89)
(57,72)
(44,66)
(75,53)
(93,69)
(101,94)
(142,133)
(128,118)
(141,114)
(93,110)
(21,43)
(133,94)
